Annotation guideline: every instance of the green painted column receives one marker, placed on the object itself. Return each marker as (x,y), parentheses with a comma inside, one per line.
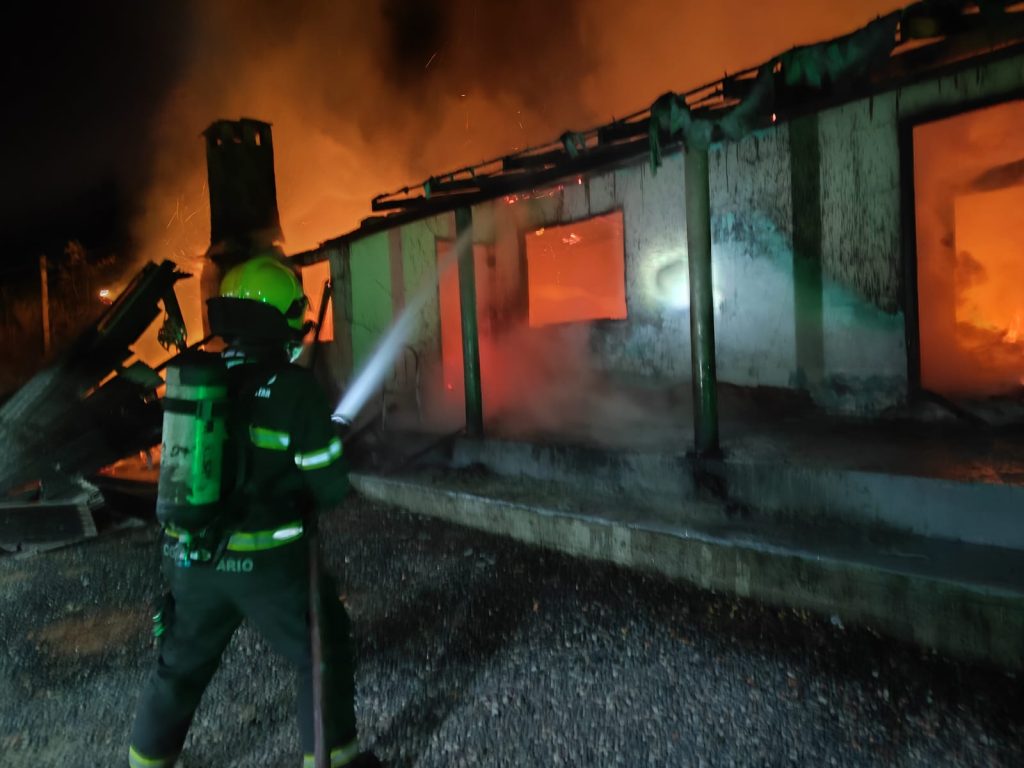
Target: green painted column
(702,307)
(372,303)
(470,337)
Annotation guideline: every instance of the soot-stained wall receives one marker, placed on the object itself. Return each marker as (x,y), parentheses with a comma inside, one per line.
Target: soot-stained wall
(808,270)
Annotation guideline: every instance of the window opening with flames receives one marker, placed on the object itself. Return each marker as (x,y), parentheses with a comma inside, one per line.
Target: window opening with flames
(577,271)
(969,215)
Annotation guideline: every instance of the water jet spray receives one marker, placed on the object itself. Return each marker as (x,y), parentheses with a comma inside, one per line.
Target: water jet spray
(371,375)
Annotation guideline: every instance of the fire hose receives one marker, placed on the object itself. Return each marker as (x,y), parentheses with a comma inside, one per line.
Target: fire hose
(320,752)
(320,749)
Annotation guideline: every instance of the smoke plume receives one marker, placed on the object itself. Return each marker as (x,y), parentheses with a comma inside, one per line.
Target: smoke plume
(366,97)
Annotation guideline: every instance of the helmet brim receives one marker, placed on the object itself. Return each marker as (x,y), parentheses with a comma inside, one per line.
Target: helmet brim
(247,319)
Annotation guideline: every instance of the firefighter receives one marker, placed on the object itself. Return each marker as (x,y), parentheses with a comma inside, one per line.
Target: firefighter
(288,462)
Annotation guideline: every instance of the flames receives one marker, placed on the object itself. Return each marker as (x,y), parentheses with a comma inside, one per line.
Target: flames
(346,127)
(969,186)
(360,102)
(1012,336)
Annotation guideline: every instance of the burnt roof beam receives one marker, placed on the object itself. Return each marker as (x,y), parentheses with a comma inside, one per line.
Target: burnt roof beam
(533,162)
(496,186)
(616,132)
(973,35)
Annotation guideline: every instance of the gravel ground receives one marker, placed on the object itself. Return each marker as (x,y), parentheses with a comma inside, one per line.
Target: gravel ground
(477,651)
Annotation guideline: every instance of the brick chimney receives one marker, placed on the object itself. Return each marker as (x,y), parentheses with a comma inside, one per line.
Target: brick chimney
(243,197)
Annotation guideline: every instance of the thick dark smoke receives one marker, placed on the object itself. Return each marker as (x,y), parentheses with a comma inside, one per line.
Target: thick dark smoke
(105,101)
(416,32)
(368,96)
(533,51)
(364,96)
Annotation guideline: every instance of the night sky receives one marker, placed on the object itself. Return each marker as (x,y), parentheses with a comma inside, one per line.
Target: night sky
(80,81)
(106,99)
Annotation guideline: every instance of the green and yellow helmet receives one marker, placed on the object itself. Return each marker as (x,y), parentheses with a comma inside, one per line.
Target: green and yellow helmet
(261,301)
(268,280)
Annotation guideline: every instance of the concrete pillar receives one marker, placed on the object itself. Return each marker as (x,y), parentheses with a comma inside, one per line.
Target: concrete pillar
(702,307)
(470,338)
(805,180)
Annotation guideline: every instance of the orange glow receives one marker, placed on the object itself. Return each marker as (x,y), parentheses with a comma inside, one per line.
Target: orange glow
(577,272)
(552,363)
(322,87)
(344,131)
(451,314)
(451,322)
(990,238)
(147,349)
(969,185)
(143,466)
(313,278)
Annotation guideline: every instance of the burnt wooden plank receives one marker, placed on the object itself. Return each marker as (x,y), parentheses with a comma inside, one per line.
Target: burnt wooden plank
(41,524)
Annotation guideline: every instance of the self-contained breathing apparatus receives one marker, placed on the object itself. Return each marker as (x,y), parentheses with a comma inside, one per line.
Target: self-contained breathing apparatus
(204,454)
(200,467)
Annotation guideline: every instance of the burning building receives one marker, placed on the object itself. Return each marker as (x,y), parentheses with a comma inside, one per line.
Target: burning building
(827,240)
(862,199)
(722,313)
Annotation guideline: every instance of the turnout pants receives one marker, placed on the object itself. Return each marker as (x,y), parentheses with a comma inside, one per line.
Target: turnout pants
(205,606)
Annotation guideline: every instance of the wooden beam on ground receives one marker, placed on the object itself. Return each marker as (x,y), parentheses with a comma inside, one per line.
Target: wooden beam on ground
(43,525)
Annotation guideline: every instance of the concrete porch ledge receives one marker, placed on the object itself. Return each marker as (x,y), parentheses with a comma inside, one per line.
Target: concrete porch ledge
(965,615)
(843,488)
